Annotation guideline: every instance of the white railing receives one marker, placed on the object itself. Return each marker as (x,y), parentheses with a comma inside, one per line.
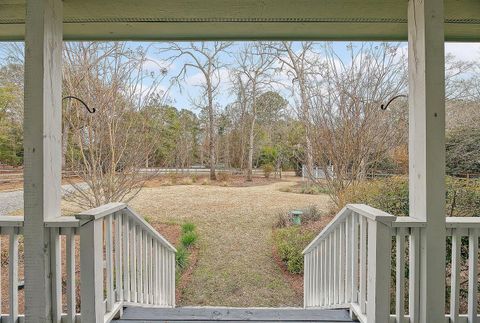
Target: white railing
(123,261)
(348,265)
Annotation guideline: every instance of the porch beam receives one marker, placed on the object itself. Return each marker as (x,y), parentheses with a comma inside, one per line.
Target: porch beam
(42,146)
(426,65)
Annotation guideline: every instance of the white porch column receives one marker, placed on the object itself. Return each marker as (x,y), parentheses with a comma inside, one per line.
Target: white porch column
(427,149)
(42,145)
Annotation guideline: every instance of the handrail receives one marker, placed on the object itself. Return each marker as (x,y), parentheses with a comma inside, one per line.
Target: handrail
(101,211)
(145,225)
(361,209)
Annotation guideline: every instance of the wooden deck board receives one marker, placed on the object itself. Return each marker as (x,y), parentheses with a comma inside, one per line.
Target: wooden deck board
(208,314)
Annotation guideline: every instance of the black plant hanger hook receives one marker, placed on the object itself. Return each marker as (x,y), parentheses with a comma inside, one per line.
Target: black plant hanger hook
(71,97)
(385,106)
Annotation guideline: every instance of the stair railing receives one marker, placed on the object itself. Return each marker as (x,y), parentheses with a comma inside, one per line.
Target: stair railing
(349,265)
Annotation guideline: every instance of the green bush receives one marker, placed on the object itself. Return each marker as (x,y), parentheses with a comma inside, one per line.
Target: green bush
(189,239)
(391,195)
(188,227)
(181,258)
(290,242)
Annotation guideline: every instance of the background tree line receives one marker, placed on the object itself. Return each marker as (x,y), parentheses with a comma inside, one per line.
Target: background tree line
(289,104)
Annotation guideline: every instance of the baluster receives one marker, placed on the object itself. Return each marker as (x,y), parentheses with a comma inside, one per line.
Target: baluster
(109,262)
(151,266)
(145,267)
(400,278)
(140,266)
(472,275)
(318,281)
(325,272)
(172,278)
(306,287)
(363,265)
(155,272)
(133,263)
(455,278)
(354,246)
(320,273)
(71,281)
(56,262)
(312,278)
(335,265)
(414,275)
(13,274)
(348,258)
(341,264)
(162,276)
(118,257)
(126,259)
(330,269)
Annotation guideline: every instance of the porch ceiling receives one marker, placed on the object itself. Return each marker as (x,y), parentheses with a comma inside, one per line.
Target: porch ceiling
(241,19)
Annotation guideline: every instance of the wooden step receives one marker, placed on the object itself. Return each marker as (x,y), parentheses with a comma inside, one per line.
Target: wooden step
(228,314)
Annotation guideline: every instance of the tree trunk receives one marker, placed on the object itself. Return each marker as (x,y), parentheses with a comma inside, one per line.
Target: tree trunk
(211,127)
(250,151)
(252,134)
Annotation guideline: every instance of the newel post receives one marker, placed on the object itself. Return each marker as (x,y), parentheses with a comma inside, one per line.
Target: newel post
(426,69)
(378,275)
(91,273)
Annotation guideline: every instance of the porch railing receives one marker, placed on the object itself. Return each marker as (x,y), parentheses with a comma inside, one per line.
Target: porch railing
(123,261)
(348,265)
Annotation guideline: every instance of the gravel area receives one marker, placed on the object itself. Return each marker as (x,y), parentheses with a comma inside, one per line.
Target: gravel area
(11,203)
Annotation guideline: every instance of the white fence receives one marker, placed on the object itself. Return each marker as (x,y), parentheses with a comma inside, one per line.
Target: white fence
(123,261)
(348,265)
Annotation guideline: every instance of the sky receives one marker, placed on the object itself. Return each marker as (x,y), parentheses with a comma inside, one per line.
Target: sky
(190,91)
(183,98)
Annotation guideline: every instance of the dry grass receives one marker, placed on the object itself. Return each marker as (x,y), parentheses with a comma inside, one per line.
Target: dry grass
(235,262)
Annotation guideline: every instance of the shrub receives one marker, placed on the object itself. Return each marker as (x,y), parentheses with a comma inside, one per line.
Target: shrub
(283,220)
(186,181)
(391,195)
(189,239)
(223,176)
(181,258)
(268,169)
(290,242)
(188,227)
(311,213)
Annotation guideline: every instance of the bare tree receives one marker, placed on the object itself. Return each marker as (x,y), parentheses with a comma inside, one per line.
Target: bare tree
(301,67)
(351,131)
(254,70)
(108,148)
(204,57)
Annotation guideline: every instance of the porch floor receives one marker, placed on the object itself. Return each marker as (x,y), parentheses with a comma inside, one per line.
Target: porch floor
(226,314)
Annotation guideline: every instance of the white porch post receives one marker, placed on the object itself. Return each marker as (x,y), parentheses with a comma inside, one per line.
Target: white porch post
(42,146)
(427,149)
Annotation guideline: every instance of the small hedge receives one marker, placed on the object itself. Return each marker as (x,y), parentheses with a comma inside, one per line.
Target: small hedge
(290,242)
(391,195)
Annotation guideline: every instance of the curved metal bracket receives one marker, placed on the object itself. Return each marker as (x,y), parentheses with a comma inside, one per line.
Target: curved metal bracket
(385,106)
(71,97)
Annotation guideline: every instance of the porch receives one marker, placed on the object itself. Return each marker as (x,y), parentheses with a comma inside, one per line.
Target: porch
(129,264)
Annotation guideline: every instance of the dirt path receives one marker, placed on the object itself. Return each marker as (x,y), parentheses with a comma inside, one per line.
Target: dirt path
(235,265)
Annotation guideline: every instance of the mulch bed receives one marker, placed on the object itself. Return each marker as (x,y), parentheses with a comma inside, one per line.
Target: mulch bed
(295,280)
